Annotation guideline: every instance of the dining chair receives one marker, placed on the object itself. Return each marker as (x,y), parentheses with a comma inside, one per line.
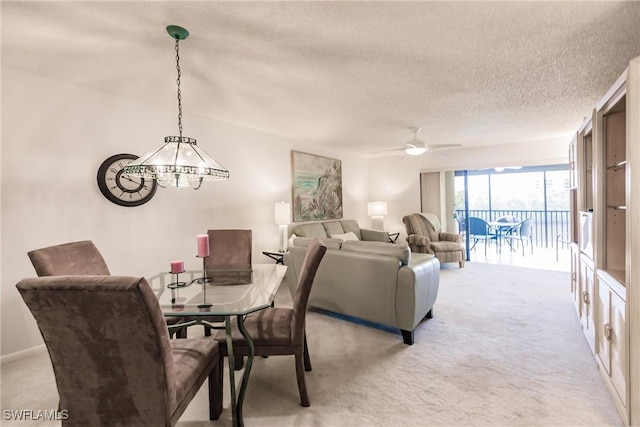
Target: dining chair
(523,232)
(280,331)
(228,250)
(479,229)
(79,258)
(108,372)
(74,258)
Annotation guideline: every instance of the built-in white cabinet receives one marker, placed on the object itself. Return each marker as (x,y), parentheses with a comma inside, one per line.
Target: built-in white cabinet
(575,287)
(612,332)
(605,261)
(586,281)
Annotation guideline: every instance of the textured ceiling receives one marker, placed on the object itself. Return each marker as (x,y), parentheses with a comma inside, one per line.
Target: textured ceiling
(350,75)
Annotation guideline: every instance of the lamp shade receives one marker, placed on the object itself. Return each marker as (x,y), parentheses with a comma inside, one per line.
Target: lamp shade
(283,213)
(377,208)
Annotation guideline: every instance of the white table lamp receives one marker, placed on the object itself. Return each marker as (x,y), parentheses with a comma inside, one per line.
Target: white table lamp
(377,211)
(283,218)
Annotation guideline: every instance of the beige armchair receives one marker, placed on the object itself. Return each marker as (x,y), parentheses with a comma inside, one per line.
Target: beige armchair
(424,236)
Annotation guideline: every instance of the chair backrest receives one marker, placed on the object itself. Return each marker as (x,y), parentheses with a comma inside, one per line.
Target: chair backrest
(75,258)
(508,218)
(478,226)
(526,227)
(107,372)
(229,248)
(434,221)
(418,224)
(315,252)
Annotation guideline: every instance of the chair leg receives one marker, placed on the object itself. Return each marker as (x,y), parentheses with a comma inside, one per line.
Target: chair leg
(302,386)
(215,390)
(238,362)
(307,359)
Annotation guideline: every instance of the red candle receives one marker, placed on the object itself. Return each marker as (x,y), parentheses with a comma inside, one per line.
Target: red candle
(203,245)
(177,267)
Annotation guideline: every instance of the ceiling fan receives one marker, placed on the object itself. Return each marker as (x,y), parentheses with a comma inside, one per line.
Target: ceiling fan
(416,146)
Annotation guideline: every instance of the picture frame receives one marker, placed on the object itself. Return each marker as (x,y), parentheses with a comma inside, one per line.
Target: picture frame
(316,190)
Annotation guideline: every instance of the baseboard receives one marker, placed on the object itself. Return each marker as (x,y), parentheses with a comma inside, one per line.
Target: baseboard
(12,357)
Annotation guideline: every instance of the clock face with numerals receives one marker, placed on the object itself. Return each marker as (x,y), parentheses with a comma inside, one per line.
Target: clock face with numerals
(123,189)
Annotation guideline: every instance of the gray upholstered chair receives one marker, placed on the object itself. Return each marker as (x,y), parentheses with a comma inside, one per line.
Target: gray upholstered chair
(230,258)
(229,250)
(78,258)
(424,235)
(281,331)
(107,372)
(74,258)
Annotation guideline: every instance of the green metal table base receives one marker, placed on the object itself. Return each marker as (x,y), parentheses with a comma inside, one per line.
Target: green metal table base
(236,399)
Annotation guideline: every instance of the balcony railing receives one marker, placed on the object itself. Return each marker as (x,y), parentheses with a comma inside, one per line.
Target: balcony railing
(550,228)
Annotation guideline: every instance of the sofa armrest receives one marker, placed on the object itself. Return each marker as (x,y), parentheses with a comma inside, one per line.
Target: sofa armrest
(450,237)
(417,290)
(374,235)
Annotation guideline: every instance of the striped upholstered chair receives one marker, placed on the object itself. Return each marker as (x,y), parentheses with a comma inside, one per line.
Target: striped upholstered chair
(424,236)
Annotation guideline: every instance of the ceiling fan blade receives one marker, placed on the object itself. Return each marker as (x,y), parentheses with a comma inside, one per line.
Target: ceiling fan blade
(442,146)
(393,150)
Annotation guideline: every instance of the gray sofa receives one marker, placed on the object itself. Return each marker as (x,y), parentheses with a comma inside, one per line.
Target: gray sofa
(379,282)
(328,229)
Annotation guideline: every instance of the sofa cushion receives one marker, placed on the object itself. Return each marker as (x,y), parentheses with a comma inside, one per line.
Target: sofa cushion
(345,236)
(333,227)
(351,225)
(399,251)
(329,243)
(310,231)
(444,246)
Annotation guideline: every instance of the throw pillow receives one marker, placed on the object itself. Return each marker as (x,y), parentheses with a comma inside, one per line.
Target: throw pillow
(345,236)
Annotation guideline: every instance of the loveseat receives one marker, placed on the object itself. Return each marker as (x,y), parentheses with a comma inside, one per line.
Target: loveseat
(379,282)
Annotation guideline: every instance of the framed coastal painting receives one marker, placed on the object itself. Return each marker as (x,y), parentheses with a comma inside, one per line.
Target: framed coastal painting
(316,187)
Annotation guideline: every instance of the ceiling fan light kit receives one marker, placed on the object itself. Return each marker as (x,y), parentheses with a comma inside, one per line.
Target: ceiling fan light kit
(415,148)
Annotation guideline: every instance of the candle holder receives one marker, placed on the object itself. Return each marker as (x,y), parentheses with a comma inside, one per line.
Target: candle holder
(205,306)
(177,284)
(204,278)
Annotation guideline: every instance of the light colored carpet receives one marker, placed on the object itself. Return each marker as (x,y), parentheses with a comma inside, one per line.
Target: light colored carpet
(504,348)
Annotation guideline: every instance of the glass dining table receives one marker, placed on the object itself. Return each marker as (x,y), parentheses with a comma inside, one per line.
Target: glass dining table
(224,291)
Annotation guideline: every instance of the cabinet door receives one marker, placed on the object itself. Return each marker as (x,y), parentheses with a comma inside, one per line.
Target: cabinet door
(587,285)
(604,326)
(573,182)
(575,284)
(618,345)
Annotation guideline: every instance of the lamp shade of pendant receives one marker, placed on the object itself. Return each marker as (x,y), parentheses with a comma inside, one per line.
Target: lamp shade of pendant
(179,162)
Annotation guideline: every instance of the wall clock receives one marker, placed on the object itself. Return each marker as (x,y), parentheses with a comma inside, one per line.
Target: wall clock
(120,188)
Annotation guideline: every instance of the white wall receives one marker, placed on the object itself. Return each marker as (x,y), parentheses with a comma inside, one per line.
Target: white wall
(54,137)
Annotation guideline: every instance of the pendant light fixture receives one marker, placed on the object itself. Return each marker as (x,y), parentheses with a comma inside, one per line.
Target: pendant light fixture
(179,162)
